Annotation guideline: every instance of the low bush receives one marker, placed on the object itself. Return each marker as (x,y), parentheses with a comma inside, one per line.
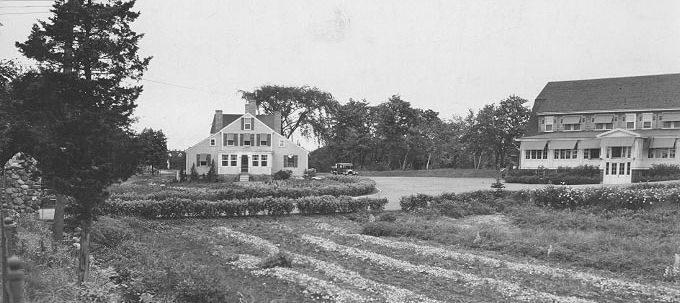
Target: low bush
(182,208)
(280,259)
(661,172)
(110,232)
(586,174)
(606,198)
(282,175)
(346,186)
(387,217)
(481,202)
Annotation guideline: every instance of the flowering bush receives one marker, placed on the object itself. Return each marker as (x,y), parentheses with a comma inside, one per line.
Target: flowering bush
(586,174)
(608,198)
(181,208)
(346,186)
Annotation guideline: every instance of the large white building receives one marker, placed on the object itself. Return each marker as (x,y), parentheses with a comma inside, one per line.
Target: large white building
(621,125)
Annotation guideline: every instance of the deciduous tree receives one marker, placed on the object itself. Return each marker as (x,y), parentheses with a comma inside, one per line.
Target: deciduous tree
(303,108)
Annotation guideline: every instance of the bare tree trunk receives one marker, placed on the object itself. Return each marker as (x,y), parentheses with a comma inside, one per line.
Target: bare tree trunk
(427,166)
(84,255)
(58,227)
(403,164)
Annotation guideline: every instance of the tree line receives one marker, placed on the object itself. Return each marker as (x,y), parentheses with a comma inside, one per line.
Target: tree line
(395,135)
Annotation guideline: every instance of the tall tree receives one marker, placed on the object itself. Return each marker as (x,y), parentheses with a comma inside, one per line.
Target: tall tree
(154,147)
(351,133)
(304,108)
(393,120)
(82,117)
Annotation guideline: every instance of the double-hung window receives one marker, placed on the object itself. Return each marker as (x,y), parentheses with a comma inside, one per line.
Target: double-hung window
(232,160)
(549,121)
(630,121)
(263,160)
(225,160)
(256,160)
(647,120)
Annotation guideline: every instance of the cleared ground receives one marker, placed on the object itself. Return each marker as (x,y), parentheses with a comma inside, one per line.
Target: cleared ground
(333,262)
(393,188)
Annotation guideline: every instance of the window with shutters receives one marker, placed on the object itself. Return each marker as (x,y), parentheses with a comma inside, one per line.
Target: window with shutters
(290,161)
(247,140)
(229,139)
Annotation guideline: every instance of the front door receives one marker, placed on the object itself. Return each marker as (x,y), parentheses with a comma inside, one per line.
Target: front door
(616,172)
(244,164)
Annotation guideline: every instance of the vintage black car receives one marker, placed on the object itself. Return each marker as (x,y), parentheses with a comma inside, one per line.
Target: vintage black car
(343,169)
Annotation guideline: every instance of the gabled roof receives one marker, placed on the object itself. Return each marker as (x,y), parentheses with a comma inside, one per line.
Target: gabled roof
(610,94)
(229,118)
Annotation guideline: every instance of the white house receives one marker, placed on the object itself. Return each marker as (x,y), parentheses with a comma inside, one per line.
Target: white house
(247,144)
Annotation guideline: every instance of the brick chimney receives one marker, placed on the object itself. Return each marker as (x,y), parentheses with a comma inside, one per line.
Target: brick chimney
(277,121)
(251,106)
(217,121)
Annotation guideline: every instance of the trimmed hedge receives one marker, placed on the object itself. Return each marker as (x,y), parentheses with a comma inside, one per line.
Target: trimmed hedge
(586,174)
(346,187)
(607,198)
(661,172)
(174,208)
(481,202)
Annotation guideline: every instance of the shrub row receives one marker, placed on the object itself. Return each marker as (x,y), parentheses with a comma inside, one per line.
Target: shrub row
(183,208)
(606,198)
(661,172)
(481,202)
(586,174)
(357,187)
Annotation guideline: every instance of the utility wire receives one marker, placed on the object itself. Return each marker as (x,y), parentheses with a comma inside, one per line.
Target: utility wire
(20,6)
(172,84)
(24,13)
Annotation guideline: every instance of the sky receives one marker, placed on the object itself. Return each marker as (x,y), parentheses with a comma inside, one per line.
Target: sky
(448,56)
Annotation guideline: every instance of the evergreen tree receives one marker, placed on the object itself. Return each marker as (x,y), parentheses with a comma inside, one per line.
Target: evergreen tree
(79,104)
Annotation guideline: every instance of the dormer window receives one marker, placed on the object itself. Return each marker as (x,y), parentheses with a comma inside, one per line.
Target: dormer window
(670,120)
(247,123)
(571,123)
(647,120)
(549,120)
(630,121)
(604,122)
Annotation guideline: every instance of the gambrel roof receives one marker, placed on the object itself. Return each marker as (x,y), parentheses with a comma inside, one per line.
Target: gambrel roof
(610,94)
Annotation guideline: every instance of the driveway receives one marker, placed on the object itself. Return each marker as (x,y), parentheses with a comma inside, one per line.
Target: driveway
(394,188)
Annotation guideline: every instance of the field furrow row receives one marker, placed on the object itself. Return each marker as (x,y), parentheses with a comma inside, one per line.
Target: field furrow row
(610,285)
(504,288)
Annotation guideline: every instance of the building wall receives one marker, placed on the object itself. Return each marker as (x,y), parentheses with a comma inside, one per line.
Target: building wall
(639,159)
(274,152)
(618,121)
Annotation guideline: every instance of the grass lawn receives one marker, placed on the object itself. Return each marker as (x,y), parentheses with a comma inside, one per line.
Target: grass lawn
(440,172)
(526,254)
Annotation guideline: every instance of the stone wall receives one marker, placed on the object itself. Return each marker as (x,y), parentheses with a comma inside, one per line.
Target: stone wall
(22,184)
